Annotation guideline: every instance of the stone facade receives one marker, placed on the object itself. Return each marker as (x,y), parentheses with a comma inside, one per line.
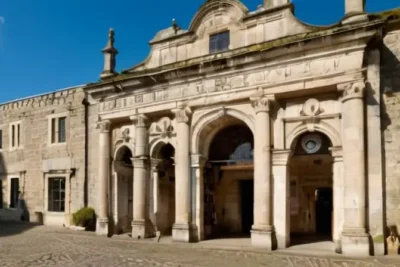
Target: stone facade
(276,133)
(36,159)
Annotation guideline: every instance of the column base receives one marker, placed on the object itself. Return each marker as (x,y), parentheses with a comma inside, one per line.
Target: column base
(142,230)
(355,243)
(263,237)
(102,227)
(353,18)
(184,232)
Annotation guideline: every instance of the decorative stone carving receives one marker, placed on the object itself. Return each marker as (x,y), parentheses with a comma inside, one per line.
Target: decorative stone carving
(261,104)
(352,90)
(104,126)
(393,244)
(311,107)
(125,135)
(182,114)
(163,127)
(139,120)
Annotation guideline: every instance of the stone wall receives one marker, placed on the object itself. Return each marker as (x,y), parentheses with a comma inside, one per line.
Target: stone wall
(37,156)
(390,86)
(93,155)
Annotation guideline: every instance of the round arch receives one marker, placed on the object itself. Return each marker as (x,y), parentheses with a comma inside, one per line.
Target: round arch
(210,123)
(156,146)
(321,127)
(121,150)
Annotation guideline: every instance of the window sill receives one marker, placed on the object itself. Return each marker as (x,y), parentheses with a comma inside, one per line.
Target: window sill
(57,144)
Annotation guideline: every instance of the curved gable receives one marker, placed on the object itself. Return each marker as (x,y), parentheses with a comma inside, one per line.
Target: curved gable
(217,13)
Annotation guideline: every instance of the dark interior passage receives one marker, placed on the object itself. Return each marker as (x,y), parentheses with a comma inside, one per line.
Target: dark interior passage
(246,190)
(324,208)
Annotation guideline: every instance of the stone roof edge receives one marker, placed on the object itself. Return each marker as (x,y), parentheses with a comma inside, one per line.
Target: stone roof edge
(43,94)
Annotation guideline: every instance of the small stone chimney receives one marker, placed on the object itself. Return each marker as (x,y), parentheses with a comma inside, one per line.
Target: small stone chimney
(110,54)
(355,11)
(274,3)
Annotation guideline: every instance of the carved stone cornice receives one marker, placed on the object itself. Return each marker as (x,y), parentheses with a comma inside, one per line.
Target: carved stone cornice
(104,126)
(352,90)
(261,103)
(140,120)
(182,114)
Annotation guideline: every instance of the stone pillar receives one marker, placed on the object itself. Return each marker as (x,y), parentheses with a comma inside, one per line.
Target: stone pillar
(262,230)
(281,182)
(355,240)
(141,227)
(104,174)
(338,196)
(355,11)
(182,230)
(154,191)
(198,163)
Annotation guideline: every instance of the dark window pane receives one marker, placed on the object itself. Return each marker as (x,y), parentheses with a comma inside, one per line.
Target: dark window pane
(13,135)
(219,42)
(1,139)
(1,194)
(53,131)
(61,130)
(18,135)
(56,194)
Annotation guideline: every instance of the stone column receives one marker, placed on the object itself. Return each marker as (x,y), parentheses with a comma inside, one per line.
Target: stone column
(141,227)
(198,163)
(104,174)
(154,191)
(354,237)
(262,230)
(281,182)
(182,230)
(355,11)
(338,196)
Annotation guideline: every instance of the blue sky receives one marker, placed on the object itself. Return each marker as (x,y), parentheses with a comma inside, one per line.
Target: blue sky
(47,45)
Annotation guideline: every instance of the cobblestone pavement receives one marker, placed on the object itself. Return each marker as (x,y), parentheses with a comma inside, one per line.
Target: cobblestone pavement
(25,245)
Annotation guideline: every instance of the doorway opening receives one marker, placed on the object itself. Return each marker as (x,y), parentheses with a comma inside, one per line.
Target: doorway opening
(311,190)
(164,209)
(228,183)
(123,190)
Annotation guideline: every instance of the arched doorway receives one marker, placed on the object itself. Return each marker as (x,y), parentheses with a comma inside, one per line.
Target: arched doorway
(311,189)
(228,183)
(165,211)
(123,190)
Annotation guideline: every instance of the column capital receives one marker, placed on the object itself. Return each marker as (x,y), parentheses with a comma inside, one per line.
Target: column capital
(352,90)
(182,114)
(140,120)
(104,126)
(337,153)
(261,103)
(139,162)
(154,163)
(198,160)
(280,157)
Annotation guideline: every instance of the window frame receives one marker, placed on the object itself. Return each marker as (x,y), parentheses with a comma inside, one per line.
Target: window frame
(214,50)
(15,135)
(1,139)
(7,196)
(51,207)
(54,133)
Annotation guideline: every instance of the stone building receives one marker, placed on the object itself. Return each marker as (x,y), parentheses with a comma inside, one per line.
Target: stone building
(248,123)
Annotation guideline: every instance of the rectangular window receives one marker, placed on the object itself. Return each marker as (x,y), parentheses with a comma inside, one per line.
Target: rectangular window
(58,130)
(14,192)
(219,42)
(56,195)
(15,135)
(1,139)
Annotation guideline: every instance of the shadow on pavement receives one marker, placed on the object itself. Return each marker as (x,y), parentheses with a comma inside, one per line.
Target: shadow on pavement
(15,228)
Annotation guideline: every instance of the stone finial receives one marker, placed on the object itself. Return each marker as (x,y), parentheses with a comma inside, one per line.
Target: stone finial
(175,26)
(274,3)
(110,54)
(355,11)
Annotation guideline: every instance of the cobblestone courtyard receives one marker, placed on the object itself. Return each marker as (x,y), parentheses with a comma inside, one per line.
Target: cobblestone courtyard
(27,245)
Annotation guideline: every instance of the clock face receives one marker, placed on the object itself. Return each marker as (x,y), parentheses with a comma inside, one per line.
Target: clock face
(311,143)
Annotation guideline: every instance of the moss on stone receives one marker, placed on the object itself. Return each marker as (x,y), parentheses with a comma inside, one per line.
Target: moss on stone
(378,239)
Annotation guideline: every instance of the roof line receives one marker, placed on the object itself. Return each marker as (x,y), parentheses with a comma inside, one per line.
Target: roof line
(42,94)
